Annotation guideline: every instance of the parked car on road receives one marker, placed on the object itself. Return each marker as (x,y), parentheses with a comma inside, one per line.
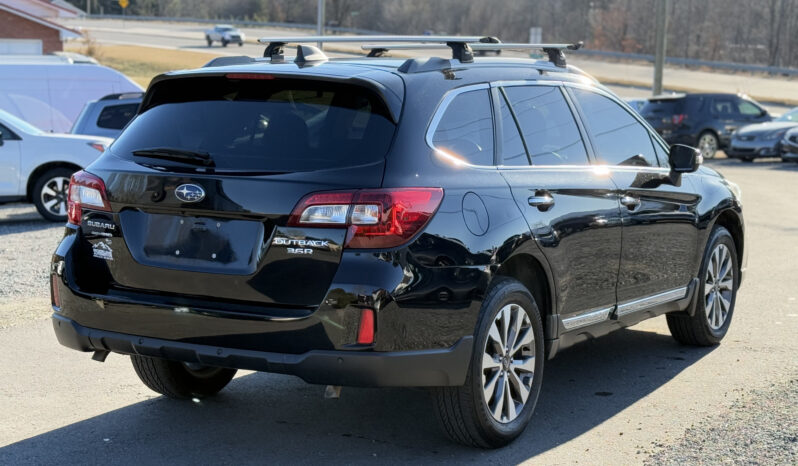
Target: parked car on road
(224,34)
(637,104)
(107,116)
(431,222)
(789,146)
(49,92)
(706,121)
(35,166)
(761,139)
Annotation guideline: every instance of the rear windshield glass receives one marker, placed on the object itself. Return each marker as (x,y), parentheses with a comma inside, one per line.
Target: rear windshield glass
(663,107)
(262,124)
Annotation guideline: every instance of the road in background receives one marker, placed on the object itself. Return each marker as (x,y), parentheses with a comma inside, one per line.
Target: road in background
(627,398)
(628,80)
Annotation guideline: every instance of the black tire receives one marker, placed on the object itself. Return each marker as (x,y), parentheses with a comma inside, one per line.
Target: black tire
(177,380)
(43,200)
(209,41)
(224,43)
(695,330)
(747,159)
(240,44)
(463,411)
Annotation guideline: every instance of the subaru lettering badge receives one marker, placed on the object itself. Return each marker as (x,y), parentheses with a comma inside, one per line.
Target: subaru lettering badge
(189,193)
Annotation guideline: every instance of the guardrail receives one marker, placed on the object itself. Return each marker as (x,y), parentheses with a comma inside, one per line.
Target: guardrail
(716,65)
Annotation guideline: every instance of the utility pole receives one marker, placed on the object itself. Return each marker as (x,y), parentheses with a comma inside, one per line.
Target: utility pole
(662,30)
(320,21)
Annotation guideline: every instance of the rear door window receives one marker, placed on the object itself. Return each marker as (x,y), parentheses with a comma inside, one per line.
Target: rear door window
(618,138)
(263,124)
(116,116)
(466,128)
(547,125)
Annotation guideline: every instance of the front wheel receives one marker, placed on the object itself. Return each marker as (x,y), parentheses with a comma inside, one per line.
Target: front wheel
(181,380)
(224,43)
(208,40)
(504,377)
(708,144)
(717,293)
(50,194)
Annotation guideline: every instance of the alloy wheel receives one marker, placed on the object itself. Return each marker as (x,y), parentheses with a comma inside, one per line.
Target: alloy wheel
(508,363)
(719,286)
(708,145)
(54,195)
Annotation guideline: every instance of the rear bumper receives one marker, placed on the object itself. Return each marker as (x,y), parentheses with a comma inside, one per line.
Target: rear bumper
(746,149)
(424,368)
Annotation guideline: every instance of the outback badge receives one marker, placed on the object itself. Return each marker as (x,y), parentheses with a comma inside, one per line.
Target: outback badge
(189,193)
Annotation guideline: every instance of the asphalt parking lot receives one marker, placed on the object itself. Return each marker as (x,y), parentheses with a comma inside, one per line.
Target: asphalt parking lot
(634,396)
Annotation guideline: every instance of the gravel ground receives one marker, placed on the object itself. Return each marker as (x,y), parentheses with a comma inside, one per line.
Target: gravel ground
(759,428)
(26,243)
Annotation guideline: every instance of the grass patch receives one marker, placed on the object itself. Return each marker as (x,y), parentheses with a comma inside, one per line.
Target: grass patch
(141,64)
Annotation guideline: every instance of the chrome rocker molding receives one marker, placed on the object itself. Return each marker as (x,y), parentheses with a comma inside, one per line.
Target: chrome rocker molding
(651,301)
(588,318)
(600,315)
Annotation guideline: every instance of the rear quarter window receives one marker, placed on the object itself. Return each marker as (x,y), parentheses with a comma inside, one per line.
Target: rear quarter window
(465,130)
(116,116)
(263,124)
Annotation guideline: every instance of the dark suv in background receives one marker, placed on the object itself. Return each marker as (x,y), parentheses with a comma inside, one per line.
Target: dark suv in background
(706,121)
(435,222)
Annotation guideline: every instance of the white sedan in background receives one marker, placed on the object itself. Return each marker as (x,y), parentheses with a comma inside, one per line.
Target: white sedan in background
(35,166)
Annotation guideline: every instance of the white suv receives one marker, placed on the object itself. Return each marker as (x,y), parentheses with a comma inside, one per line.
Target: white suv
(35,166)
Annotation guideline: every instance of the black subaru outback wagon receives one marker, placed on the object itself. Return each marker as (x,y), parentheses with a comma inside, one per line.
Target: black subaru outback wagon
(438,222)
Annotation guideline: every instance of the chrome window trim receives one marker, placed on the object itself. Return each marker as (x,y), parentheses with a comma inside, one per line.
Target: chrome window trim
(651,301)
(587,318)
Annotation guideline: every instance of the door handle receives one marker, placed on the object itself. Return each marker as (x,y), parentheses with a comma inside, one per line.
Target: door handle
(542,200)
(630,202)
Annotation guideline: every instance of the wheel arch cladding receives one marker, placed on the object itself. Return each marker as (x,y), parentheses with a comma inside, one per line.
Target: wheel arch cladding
(40,170)
(732,222)
(530,272)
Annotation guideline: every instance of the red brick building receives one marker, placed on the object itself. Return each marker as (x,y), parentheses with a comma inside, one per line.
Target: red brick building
(24,33)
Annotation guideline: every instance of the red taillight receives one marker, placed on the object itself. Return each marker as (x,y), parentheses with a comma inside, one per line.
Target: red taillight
(375,218)
(365,333)
(678,119)
(249,76)
(85,191)
(97,146)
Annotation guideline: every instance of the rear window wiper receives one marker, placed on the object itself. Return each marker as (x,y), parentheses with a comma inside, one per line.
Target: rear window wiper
(177,155)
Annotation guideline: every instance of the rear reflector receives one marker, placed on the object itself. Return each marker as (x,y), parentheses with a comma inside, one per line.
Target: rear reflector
(365,334)
(85,191)
(54,294)
(376,218)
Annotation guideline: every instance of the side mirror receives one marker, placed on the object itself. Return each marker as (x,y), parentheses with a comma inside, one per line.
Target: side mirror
(684,159)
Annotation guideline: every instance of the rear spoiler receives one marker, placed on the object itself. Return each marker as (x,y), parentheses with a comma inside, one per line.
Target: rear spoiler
(389,87)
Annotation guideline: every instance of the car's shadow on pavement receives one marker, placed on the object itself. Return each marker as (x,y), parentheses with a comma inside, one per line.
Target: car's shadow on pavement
(265,418)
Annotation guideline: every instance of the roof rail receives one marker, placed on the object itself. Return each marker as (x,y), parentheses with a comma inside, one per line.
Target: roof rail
(461,49)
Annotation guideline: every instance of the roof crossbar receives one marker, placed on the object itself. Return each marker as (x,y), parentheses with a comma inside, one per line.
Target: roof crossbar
(459,44)
(554,51)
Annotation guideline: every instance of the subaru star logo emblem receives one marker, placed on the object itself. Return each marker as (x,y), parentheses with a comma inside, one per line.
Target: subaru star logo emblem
(189,193)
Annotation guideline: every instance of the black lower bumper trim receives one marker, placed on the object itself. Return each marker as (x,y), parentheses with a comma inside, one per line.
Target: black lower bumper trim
(427,368)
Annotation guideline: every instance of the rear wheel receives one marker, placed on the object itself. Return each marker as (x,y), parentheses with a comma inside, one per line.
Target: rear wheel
(504,378)
(717,293)
(224,43)
(181,380)
(50,194)
(208,40)
(708,144)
